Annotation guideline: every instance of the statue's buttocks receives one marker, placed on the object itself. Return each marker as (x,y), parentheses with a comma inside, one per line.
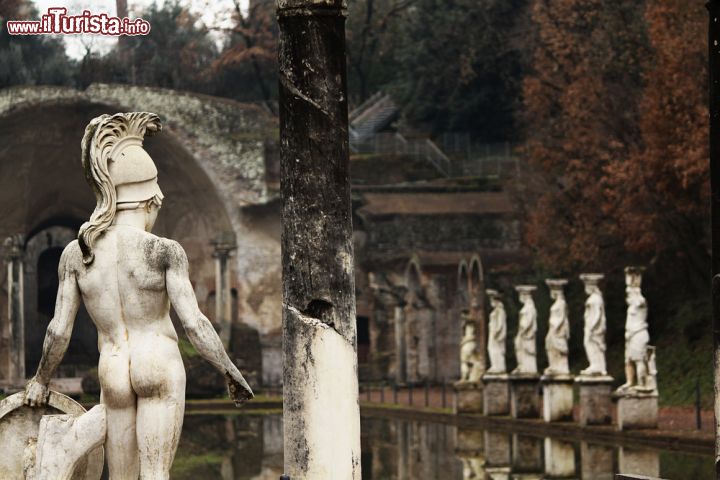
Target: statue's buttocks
(125,293)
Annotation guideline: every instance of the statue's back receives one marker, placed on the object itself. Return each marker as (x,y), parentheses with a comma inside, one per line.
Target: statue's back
(124,287)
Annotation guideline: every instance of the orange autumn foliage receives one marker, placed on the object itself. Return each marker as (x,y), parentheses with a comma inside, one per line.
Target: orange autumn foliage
(615,111)
(661,192)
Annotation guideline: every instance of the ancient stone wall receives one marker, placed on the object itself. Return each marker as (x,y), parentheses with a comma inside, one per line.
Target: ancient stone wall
(434,232)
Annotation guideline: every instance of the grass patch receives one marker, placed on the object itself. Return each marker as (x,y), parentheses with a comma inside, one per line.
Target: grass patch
(186,348)
(193,466)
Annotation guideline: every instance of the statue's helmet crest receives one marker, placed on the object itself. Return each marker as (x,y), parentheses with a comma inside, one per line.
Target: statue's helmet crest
(118,169)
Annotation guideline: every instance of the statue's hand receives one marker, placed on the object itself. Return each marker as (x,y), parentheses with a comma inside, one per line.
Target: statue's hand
(36,394)
(238,388)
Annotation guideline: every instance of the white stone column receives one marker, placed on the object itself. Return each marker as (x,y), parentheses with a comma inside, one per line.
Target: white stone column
(224,244)
(14,254)
(400,344)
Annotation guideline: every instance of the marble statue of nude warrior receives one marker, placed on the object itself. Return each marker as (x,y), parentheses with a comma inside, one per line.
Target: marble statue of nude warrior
(128,278)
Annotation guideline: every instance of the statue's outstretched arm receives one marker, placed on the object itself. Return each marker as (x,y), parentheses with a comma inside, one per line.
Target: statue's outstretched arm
(59,330)
(199,330)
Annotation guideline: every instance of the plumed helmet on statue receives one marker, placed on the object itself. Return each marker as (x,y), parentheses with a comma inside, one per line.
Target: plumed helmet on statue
(118,169)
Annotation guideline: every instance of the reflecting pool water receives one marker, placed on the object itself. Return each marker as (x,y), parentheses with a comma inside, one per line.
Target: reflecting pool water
(234,447)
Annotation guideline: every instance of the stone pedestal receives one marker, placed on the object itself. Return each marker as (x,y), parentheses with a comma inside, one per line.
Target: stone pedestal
(557,397)
(595,399)
(637,410)
(468,397)
(496,394)
(559,459)
(524,396)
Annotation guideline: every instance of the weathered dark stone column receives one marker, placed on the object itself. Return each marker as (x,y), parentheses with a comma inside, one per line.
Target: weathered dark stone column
(320,396)
(224,244)
(14,253)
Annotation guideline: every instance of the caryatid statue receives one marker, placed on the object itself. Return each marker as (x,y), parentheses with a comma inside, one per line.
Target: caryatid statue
(556,341)
(595,325)
(639,356)
(525,340)
(497,333)
(470,366)
(128,278)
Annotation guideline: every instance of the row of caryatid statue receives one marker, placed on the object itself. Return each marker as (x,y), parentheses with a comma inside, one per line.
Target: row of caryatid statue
(639,355)
(557,380)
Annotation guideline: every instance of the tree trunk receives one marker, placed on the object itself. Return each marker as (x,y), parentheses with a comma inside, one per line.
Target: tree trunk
(714,65)
(320,400)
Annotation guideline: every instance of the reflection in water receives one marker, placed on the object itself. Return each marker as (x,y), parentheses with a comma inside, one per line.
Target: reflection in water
(527,455)
(249,447)
(597,461)
(640,462)
(559,459)
(232,447)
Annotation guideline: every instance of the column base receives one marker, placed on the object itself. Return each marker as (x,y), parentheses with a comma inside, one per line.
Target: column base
(637,410)
(496,394)
(468,398)
(524,395)
(557,397)
(595,399)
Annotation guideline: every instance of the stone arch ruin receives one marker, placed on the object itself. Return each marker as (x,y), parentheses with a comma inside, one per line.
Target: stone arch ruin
(212,158)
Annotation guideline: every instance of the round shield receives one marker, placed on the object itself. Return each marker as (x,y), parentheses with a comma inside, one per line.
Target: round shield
(19,426)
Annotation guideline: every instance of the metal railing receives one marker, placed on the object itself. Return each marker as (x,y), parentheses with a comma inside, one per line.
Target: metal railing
(395,144)
(482,160)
